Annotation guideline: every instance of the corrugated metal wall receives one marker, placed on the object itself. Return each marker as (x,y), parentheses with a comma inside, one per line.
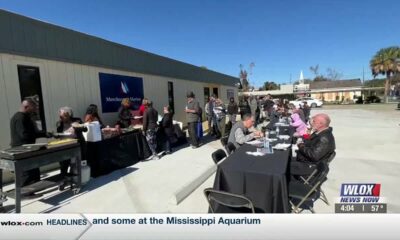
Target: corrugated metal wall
(28,37)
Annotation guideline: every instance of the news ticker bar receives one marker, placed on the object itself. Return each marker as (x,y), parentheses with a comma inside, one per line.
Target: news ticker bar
(199,226)
(360,208)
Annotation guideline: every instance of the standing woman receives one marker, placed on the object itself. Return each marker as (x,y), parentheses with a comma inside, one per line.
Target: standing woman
(92,115)
(150,117)
(124,113)
(168,129)
(232,110)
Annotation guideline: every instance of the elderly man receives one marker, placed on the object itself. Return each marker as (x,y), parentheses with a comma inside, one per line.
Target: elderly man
(318,148)
(240,131)
(64,125)
(24,131)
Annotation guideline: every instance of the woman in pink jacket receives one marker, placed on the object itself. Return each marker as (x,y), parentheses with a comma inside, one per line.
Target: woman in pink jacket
(301,127)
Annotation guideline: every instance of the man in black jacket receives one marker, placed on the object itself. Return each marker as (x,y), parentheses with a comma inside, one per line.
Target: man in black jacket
(24,131)
(150,118)
(318,148)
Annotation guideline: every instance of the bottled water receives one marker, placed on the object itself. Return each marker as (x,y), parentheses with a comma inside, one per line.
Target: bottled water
(266,143)
(267,146)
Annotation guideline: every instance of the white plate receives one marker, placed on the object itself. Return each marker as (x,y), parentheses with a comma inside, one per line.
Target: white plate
(284,137)
(254,142)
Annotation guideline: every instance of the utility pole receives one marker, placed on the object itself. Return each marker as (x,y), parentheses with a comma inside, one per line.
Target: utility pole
(363,76)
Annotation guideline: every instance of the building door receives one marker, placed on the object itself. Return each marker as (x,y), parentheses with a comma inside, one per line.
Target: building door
(30,87)
(171,101)
(206,94)
(215,91)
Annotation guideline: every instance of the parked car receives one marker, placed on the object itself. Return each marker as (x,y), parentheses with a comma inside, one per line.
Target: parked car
(310,101)
(372,99)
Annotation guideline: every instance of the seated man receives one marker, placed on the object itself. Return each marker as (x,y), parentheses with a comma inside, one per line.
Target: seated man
(240,131)
(318,148)
(64,125)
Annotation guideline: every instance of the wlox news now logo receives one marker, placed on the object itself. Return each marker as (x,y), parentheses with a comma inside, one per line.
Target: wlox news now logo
(360,192)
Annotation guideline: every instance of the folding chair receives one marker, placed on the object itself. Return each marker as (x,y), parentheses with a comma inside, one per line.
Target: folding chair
(218,155)
(228,202)
(302,196)
(230,148)
(306,181)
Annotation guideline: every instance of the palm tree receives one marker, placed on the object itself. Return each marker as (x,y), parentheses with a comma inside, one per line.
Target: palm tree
(386,62)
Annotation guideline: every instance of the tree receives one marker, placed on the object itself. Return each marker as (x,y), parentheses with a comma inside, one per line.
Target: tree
(318,76)
(243,79)
(270,86)
(315,70)
(386,62)
(332,74)
(375,83)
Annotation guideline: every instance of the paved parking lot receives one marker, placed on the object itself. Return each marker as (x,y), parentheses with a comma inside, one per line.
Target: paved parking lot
(367,142)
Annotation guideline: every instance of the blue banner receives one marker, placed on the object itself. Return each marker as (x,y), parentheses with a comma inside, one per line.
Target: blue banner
(113,88)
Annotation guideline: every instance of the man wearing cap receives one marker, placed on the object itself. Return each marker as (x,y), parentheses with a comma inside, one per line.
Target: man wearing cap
(192,117)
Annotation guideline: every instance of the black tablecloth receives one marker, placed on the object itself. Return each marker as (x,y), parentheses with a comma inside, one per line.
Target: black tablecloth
(263,179)
(117,152)
(286,130)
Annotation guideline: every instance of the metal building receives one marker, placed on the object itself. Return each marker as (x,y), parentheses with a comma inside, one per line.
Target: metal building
(65,68)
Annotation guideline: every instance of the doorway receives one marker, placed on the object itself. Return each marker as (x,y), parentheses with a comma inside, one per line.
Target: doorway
(215,92)
(171,102)
(31,87)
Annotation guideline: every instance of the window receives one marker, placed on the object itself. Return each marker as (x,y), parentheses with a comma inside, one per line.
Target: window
(230,93)
(206,94)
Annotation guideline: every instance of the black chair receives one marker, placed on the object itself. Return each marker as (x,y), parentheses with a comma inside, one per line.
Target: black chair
(303,195)
(228,202)
(230,148)
(218,155)
(308,179)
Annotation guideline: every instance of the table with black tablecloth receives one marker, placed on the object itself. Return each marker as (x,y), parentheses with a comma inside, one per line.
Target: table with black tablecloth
(286,130)
(262,179)
(116,152)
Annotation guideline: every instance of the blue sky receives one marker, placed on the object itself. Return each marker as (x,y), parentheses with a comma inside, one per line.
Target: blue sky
(281,37)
